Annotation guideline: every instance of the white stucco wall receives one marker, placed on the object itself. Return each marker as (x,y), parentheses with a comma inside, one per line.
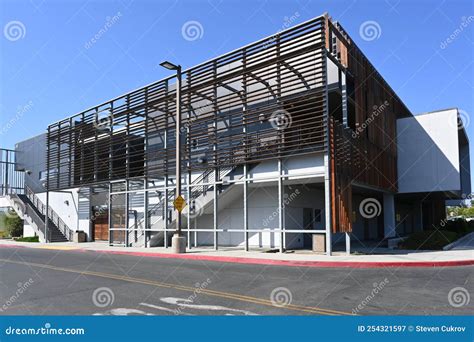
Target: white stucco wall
(4,203)
(28,230)
(428,152)
(67,212)
(312,164)
(76,214)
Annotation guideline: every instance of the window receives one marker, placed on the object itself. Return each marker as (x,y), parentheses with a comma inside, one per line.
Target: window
(43,174)
(351,110)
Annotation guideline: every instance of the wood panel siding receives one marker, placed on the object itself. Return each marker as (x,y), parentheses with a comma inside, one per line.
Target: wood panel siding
(365,150)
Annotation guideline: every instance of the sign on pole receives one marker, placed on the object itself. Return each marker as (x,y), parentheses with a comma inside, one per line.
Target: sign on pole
(179,203)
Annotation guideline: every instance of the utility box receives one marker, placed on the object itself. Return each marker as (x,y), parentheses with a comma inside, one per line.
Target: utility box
(79,236)
(319,243)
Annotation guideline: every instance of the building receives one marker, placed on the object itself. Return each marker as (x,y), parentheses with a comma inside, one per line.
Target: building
(293,141)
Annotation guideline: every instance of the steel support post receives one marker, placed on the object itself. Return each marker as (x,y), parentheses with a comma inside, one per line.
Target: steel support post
(109,219)
(215,207)
(145,213)
(280,204)
(246,208)
(165,216)
(127,223)
(188,223)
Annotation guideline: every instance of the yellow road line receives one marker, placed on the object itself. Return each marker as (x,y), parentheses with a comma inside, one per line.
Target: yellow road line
(65,248)
(221,294)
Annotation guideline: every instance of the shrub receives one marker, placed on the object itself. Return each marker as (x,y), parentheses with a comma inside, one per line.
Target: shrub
(460,226)
(429,240)
(13,225)
(28,239)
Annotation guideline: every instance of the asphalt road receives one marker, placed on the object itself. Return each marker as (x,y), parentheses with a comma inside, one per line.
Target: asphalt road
(62,282)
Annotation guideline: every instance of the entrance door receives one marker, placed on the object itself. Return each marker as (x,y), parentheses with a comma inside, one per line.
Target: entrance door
(101,225)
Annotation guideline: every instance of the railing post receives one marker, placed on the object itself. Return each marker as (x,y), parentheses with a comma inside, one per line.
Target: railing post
(46,217)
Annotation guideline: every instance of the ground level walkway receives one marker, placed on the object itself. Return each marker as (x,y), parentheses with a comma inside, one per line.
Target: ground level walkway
(378,257)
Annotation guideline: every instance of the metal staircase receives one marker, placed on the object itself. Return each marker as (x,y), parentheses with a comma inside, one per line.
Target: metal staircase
(136,235)
(33,210)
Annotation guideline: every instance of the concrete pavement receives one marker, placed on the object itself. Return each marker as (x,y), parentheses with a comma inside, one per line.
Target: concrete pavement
(393,258)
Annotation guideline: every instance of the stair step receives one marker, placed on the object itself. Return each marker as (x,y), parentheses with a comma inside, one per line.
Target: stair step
(54,233)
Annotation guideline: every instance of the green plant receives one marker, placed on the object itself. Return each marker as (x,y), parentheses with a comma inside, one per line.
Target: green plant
(13,225)
(28,239)
(460,226)
(460,211)
(429,240)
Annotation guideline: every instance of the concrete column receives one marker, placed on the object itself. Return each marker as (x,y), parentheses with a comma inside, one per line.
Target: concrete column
(389,215)
(327,205)
(348,243)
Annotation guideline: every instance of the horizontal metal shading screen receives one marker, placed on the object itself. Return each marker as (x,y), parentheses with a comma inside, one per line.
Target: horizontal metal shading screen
(266,100)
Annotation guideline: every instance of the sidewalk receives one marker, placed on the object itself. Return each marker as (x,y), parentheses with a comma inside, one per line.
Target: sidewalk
(398,258)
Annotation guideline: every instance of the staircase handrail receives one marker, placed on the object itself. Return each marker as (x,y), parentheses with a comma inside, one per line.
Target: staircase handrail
(52,215)
(28,210)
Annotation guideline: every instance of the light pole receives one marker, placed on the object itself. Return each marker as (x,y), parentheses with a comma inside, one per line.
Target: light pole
(178,242)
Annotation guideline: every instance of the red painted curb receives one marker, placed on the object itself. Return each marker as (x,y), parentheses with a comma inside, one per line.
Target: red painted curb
(296,263)
(291,263)
(16,246)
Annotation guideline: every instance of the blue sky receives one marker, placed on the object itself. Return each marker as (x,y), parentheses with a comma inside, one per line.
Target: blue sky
(50,69)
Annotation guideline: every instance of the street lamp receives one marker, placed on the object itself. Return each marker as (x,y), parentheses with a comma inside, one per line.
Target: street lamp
(178,242)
